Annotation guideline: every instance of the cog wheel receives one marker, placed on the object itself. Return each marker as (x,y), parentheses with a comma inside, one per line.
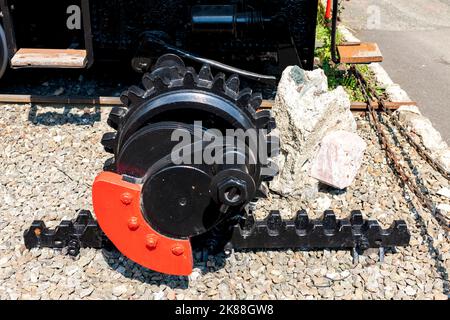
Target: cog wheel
(170,79)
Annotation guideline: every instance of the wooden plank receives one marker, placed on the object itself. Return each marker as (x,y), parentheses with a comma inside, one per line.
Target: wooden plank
(100,100)
(267,104)
(49,58)
(366,52)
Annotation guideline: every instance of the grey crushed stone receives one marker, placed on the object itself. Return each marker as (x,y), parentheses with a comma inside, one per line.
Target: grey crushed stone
(50,156)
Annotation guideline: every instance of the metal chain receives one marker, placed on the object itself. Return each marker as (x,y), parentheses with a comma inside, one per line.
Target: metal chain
(401,172)
(421,150)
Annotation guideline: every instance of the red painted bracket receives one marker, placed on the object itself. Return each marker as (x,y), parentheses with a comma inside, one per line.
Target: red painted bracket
(117,208)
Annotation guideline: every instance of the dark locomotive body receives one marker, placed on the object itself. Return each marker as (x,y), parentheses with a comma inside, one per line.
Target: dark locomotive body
(259,35)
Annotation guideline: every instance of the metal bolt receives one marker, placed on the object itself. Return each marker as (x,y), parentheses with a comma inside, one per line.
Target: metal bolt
(232,191)
(151,242)
(178,249)
(133,224)
(37,232)
(381,254)
(355,256)
(126,198)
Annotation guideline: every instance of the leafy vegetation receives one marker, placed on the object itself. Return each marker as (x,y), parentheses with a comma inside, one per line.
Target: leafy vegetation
(338,75)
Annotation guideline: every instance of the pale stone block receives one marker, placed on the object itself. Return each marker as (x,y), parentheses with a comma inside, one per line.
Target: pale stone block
(339,159)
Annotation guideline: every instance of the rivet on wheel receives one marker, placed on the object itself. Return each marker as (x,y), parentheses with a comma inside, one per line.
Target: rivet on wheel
(133,223)
(178,249)
(151,242)
(126,198)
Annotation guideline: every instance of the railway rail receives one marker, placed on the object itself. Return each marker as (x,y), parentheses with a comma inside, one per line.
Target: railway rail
(115,101)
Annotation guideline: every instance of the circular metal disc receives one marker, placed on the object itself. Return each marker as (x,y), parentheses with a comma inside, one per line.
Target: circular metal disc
(176,202)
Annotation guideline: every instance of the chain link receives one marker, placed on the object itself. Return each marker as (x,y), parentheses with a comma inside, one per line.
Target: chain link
(406,179)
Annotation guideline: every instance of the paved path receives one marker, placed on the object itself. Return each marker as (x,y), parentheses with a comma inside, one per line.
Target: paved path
(414,36)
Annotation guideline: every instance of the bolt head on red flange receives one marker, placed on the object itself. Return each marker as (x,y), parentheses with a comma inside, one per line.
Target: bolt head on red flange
(151,242)
(133,223)
(178,250)
(126,198)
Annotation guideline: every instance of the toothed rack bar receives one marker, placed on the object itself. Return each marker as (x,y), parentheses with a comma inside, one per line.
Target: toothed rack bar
(327,233)
(83,232)
(271,233)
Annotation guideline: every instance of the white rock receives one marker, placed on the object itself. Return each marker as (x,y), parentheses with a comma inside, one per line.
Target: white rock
(158,295)
(444,159)
(195,275)
(347,35)
(71,270)
(431,138)
(339,159)
(410,291)
(445,192)
(410,108)
(119,290)
(34,276)
(305,112)
(382,77)
(3,261)
(372,284)
(86,292)
(396,93)
(323,203)
(444,207)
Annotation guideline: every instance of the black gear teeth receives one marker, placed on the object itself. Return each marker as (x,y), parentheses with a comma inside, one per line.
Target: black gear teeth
(244,97)
(263,119)
(167,75)
(124,98)
(219,85)
(233,84)
(109,141)
(205,74)
(116,116)
(148,82)
(256,100)
(190,78)
(164,77)
(170,73)
(110,165)
(133,96)
(160,85)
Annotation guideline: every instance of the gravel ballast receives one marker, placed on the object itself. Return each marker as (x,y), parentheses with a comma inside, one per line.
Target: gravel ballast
(50,156)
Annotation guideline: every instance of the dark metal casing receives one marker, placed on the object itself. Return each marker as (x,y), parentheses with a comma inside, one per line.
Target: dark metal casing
(262,35)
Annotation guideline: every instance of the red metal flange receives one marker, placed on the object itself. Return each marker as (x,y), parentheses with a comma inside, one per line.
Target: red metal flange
(117,208)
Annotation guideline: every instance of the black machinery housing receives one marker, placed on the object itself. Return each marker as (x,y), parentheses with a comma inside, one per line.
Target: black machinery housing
(259,35)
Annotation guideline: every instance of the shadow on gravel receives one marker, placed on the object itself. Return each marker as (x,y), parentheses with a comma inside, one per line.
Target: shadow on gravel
(67,115)
(323,188)
(131,270)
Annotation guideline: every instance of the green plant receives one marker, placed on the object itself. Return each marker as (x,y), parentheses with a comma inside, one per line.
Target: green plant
(337,75)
